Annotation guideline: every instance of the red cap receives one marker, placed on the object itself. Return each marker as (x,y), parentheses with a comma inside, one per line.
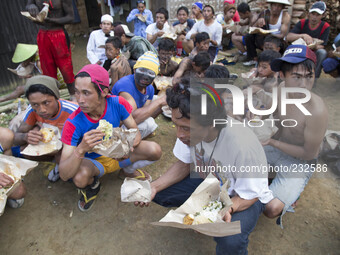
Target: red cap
(97,73)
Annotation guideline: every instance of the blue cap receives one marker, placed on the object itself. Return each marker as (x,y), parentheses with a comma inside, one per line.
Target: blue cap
(199,5)
(330,64)
(294,54)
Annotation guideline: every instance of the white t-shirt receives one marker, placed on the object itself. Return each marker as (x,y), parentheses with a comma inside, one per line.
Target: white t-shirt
(94,53)
(152,29)
(214,31)
(237,147)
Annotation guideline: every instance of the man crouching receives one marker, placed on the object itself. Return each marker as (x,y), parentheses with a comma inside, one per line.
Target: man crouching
(80,136)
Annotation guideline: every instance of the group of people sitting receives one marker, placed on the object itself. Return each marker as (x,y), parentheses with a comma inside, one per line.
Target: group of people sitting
(118,87)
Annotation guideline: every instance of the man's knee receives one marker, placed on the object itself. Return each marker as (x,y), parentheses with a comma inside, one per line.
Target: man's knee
(154,151)
(273,209)
(235,244)
(19,192)
(82,178)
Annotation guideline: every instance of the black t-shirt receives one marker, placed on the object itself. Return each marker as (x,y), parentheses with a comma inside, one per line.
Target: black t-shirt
(321,32)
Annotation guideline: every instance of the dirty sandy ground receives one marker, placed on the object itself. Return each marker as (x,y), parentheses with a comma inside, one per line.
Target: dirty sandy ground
(50,223)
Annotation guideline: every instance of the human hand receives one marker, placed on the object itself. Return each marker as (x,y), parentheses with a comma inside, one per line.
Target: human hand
(153,194)
(34,137)
(307,38)
(160,33)
(33,10)
(5,180)
(90,139)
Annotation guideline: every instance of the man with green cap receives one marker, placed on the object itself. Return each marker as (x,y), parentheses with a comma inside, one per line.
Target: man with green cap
(45,106)
(137,89)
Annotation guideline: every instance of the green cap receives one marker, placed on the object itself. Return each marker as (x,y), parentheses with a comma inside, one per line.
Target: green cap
(46,81)
(23,52)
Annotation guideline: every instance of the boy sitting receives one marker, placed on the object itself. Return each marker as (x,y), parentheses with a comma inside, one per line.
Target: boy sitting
(120,66)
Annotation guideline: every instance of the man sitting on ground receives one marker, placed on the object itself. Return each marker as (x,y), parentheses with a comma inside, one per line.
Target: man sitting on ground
(210,147)
(166,48)
(80,136)
(45,106)
(120,66)
(133,46)
(274,18)
(137,89)
(96,54)
(155,30)
(209,25)
(311,28)
(295,145)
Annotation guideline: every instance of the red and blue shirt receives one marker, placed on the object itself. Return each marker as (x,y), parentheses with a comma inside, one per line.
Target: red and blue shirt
(116,110)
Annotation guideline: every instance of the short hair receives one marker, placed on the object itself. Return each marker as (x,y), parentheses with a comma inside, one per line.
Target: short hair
(115,41)
(217,71)
(200,37)
(117,23)
(268,56)
(164,11)
(85,74)
(184,9)
(308,64)
(166,44)
(277,41)
(243,7)
(39,88)
(202,59)
(186,99)
(212,8)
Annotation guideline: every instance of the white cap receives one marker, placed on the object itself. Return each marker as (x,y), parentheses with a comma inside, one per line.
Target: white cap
(106,17)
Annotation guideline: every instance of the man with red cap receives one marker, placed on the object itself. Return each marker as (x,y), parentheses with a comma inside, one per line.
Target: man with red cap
(295,147)
(80,136)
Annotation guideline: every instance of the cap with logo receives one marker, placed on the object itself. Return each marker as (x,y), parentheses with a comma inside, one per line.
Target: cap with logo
(148,60)
(294,54)
(98,74)
(106,17)
(199,5)
(319,7)
(122,30)
(46,81)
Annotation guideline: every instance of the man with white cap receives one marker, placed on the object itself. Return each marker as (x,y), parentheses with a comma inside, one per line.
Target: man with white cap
(80,135)
(96,54)
(137,89)
(274,18)
(311,28)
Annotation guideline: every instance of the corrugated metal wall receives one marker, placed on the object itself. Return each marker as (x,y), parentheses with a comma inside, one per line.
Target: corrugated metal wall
(14,29)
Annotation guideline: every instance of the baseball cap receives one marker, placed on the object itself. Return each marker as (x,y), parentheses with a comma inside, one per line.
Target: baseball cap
(121,30)
(319,7)
(46,81)
(106,17)
(229,1)
(330,64)
(199,5)
(97,73)
(294,54)
(148,60)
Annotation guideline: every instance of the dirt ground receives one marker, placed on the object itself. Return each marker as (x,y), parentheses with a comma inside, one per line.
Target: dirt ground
(50,223)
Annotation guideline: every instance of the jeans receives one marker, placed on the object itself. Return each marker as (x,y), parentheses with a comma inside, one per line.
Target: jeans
(321,55)
(177,194)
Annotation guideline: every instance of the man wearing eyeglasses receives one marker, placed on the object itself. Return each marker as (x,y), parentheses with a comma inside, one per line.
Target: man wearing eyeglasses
(137,89)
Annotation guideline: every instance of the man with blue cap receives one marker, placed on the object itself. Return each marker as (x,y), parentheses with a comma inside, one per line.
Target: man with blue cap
(295,147)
